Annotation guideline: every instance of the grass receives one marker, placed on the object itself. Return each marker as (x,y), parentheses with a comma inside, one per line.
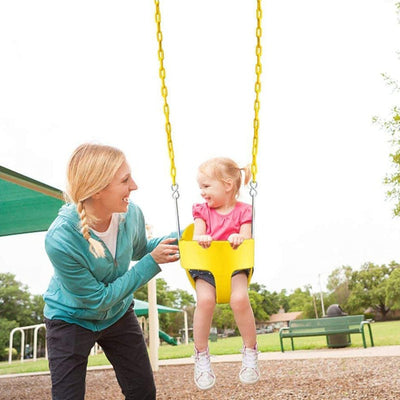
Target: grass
(384,334)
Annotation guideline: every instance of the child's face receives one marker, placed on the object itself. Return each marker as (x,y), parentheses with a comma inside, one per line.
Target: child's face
(213,191)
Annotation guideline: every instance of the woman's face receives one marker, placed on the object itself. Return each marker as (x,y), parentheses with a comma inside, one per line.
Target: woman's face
(114,198)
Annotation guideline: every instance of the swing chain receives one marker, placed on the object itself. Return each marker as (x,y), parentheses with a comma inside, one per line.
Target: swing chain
(253,194)
(164,92)
(175,196)
(257,89)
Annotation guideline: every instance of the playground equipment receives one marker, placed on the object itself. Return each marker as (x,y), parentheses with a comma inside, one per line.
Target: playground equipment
(169,339)
(192,255)
(22,329)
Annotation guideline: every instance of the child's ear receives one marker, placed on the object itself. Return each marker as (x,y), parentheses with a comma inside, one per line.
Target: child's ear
(228,184)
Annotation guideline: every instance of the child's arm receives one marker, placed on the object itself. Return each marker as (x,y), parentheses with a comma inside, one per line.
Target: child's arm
(236,239)
(199,233)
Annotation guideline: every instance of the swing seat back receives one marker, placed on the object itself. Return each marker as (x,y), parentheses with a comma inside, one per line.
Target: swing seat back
(220,259)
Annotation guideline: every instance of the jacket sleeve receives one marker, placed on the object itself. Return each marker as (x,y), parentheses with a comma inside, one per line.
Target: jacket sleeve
(143,245)
(82,292)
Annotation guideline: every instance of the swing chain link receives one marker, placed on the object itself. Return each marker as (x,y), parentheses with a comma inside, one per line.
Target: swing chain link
(253,188)
(257,89)
(175,191)
(164,93)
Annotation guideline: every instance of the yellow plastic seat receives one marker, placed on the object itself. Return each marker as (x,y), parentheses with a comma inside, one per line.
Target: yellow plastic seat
(220,259)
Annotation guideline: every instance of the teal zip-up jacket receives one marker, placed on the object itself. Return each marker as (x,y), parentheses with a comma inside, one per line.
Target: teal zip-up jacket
(96,292)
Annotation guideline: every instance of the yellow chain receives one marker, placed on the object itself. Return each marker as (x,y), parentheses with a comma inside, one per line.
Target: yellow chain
(257,89)
(164,93)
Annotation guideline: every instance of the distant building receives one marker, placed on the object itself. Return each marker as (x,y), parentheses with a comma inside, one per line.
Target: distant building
(377,316)
(280,319)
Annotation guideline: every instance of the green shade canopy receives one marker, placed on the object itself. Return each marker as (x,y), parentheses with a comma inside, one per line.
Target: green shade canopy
(142,308)
(26,205)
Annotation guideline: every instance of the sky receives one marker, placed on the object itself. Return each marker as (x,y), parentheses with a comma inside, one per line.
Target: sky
(85,70)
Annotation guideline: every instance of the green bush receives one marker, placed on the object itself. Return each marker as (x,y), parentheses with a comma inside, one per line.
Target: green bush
(369,315)
(4,354)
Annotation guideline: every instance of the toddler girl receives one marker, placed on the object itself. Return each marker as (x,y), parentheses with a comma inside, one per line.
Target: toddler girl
(222,217)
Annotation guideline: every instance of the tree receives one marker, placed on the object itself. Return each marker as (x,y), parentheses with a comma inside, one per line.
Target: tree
(393,289)
(183,299)
(368,288)
(338,285)
(256,301)
(271,302)
(36,309)
(15,301)
(6,327)
(223,317)
(391,125)
(302,300)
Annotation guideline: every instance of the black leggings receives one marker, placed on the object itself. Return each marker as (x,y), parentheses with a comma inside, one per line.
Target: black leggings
(69,346)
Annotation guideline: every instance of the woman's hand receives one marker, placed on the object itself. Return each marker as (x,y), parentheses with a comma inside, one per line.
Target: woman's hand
(236,239)
(166,252)
(203,240)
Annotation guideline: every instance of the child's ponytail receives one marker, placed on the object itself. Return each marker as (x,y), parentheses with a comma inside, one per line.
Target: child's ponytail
(246,174)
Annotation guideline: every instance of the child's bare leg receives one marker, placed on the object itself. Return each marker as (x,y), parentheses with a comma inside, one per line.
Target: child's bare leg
(242,310)
(203,314)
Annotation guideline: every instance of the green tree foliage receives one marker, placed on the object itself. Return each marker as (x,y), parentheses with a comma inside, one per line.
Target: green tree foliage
(6,327)
(391,125)
(18,308)
(256,301)
(36,309)
(16,303)
(338,285)
(393,288)
(223,317)
(302,300)
(368,288)
(271,302)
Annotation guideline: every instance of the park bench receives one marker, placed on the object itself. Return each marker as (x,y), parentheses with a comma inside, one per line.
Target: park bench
(326,326)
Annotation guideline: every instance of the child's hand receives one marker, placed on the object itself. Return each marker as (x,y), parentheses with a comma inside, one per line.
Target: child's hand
(236,239)
(204,241)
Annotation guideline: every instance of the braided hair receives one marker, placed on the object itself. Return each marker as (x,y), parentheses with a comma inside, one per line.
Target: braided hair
(90,169)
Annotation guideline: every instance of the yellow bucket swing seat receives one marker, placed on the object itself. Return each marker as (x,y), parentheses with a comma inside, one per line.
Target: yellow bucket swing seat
(220,259)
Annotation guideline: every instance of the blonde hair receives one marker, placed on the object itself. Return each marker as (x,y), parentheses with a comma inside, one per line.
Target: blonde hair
(90,169)
(223,168)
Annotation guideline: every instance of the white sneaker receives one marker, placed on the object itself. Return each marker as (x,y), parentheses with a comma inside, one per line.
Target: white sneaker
(249,373)
(204,376)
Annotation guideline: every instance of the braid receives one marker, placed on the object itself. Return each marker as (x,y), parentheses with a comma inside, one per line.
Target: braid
(95,247)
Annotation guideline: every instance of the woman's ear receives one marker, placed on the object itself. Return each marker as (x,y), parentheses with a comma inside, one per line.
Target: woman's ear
(96,196)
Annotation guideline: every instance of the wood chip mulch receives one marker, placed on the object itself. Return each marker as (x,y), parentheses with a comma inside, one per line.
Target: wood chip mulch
(314,379)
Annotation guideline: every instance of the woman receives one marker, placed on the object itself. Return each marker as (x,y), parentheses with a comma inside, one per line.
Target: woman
(91,244)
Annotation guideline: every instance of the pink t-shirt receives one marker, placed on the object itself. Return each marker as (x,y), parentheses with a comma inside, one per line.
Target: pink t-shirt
(221,226)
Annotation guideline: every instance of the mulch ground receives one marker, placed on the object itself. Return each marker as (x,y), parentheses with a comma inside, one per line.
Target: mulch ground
(334,379)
